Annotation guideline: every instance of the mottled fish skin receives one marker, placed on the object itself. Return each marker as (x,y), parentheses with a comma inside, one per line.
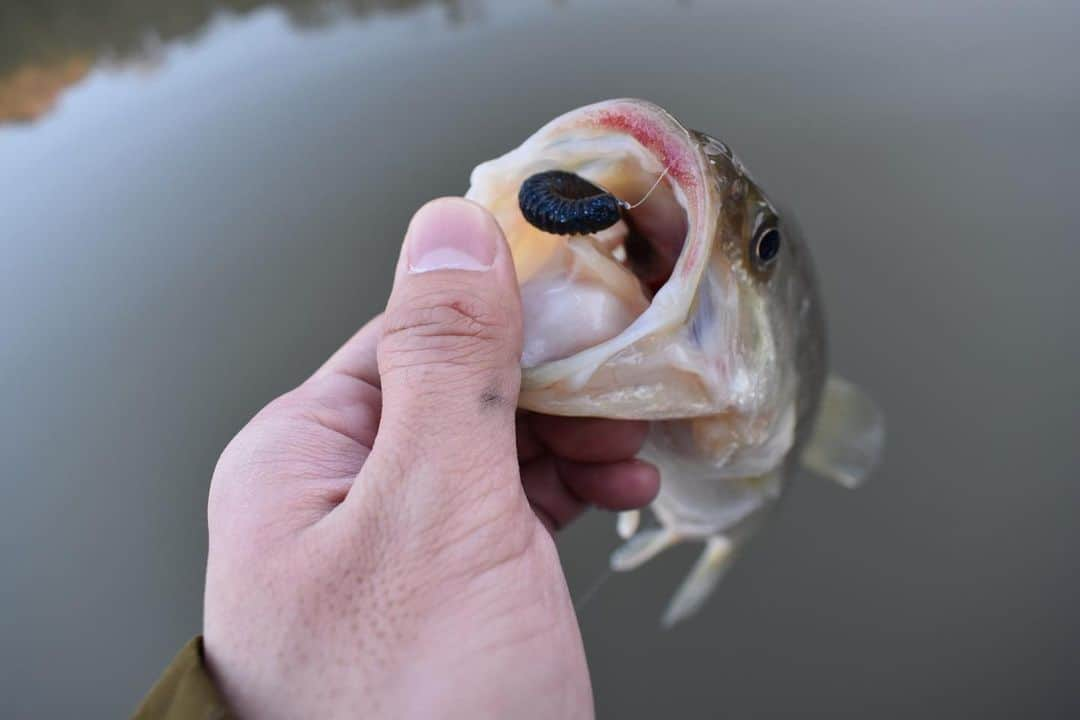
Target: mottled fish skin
(811,350)
(728,360)
(793,292)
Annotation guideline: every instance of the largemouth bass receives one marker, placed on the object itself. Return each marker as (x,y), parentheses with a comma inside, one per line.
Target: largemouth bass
(698,311)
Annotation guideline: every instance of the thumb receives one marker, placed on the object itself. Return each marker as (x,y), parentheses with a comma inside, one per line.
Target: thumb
(449,359)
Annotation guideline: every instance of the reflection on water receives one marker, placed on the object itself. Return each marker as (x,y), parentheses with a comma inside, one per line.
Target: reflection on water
(32,89)
(47,46)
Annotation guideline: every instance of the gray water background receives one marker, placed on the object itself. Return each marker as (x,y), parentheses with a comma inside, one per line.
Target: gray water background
(201,220)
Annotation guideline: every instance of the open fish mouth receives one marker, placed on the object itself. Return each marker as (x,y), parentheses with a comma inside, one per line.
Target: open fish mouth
(606,280)
(592,303)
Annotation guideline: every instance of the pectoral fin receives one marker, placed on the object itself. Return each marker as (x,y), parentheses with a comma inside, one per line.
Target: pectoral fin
(848,437)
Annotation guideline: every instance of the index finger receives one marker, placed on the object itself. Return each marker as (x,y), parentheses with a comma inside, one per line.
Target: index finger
(358,356)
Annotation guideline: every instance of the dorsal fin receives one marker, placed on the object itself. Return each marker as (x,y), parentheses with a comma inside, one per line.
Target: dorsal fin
(848,437)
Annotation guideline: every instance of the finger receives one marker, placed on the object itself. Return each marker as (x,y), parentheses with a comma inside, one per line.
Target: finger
(621,485)
(357,357)
(554,503)
(344,394)
(590,439)
(449,356)
(528,446)
(343,403)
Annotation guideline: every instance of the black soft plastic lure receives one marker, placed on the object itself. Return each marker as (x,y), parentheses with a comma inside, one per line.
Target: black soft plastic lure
(563,203)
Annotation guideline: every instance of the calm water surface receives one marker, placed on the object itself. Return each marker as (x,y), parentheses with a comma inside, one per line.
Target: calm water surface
(200,200)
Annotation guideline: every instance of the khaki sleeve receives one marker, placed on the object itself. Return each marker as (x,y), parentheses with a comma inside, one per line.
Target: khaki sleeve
(184,691)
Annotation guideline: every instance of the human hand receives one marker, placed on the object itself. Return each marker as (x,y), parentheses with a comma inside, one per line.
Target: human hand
(379,536)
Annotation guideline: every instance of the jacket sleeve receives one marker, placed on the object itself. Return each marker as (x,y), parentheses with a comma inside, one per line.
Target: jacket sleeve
(184,691)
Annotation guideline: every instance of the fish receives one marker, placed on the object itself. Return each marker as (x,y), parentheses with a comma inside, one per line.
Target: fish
(698,311)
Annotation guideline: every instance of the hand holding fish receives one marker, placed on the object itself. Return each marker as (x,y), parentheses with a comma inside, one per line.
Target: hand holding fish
(379,536)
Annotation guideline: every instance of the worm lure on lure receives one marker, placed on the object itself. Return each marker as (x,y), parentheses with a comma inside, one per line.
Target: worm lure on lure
(563,203)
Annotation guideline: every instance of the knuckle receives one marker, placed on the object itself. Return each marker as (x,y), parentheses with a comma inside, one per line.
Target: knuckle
(442,327)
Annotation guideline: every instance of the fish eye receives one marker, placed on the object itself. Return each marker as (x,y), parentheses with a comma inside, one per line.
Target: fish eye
(766,246)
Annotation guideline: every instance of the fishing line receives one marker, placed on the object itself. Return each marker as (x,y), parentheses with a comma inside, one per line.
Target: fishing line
(626,206)
(592,590)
